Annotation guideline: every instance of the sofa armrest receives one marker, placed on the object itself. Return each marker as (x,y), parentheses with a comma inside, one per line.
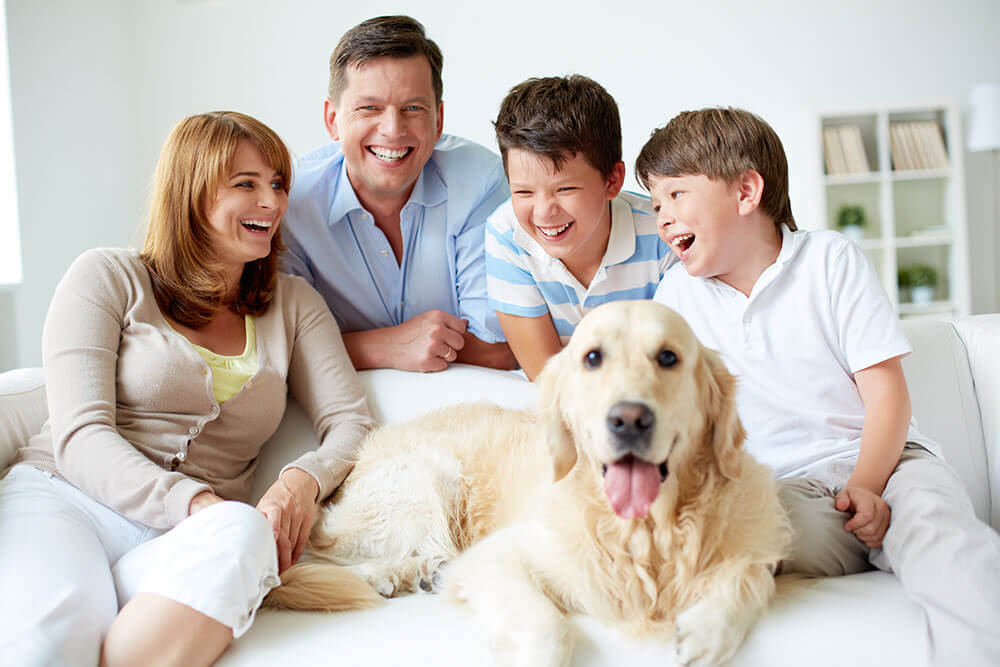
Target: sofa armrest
(23,410)
(981,335)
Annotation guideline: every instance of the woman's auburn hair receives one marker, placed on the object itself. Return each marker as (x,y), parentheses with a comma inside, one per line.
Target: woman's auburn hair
(189,281)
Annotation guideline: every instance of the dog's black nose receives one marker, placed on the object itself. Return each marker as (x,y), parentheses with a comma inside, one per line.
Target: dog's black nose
(630,423)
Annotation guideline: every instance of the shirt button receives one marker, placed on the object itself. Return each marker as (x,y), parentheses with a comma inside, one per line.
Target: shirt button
(215,410)
(384,253)
(193,430)
(181,456)
(271,581)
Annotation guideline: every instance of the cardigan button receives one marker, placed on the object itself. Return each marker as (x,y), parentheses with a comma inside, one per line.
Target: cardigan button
(193,430)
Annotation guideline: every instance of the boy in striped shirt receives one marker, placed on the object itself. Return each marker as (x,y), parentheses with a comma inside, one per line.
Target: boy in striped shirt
(568,239)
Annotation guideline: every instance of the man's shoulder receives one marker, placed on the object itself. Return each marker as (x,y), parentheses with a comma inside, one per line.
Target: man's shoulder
(460,158)
(317,168)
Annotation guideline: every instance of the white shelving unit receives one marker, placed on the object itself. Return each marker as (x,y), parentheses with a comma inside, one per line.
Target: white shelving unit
(915,216)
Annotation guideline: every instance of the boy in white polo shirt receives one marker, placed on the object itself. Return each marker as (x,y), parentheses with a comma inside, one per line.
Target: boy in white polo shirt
(801,319)
(568,239)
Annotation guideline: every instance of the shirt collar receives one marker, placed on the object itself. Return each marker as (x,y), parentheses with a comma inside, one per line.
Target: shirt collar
(791,243)
(621,242)
(429,191)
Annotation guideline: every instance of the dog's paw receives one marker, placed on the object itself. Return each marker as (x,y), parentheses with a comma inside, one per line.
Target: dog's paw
(707,635)
(382,579)
(430,575)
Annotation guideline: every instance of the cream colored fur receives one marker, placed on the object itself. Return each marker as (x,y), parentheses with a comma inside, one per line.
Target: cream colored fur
(521,497)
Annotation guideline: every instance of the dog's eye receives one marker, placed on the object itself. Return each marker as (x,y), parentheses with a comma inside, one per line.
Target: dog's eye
(593,359)
(666,358)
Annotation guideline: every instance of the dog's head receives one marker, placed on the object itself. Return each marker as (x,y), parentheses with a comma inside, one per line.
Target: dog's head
(634,394)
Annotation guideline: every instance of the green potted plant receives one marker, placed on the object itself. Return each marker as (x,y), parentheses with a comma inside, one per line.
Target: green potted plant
(852,220)
(921,279)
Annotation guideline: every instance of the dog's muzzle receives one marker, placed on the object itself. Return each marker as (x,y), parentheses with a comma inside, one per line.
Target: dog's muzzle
(631,426)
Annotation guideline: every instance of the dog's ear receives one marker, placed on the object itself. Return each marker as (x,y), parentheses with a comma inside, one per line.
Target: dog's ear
(557,433)
(723,428)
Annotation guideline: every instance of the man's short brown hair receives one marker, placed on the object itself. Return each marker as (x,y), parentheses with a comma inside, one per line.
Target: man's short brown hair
(559,117)
(392,36)
(721,144)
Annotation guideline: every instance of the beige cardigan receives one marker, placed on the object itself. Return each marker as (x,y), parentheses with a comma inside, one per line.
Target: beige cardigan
(133,421)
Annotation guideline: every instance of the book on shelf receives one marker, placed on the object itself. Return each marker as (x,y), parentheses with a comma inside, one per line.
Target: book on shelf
(844,150)
(833,152)
(916,145)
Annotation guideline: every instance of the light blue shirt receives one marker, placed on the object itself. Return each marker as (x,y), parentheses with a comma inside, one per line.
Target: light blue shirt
(334,244)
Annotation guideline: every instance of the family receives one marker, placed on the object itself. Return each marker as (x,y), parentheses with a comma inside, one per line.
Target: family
(125,530)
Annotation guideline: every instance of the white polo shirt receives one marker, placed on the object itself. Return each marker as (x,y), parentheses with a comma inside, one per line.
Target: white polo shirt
(814,318)
(524,280)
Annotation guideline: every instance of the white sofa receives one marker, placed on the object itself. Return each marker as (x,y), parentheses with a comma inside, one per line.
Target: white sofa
(865,619)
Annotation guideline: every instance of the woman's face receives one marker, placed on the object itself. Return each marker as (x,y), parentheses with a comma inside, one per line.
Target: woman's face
(247,208)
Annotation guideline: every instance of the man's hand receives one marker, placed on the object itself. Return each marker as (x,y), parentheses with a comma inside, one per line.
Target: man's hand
(290,507)
(871,514)
(426,343)
(429,341)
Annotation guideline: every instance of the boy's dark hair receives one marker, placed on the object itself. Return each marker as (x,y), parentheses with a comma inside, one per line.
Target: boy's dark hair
(721,144)
(393,36)
(558,117)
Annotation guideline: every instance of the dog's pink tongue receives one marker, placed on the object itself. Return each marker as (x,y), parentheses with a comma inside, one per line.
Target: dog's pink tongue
(631,486)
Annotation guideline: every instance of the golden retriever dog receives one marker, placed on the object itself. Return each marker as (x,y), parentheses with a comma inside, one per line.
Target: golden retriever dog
(627,496)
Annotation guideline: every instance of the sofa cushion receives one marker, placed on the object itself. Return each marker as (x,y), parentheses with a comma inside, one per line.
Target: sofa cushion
(23,409)
(945,404)
(817,622)
(395,397)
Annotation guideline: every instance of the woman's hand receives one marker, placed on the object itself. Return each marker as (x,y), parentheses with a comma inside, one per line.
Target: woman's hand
(201,501)
(290,506)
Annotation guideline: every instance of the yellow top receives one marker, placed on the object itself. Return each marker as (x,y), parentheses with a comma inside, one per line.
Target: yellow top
(229,374)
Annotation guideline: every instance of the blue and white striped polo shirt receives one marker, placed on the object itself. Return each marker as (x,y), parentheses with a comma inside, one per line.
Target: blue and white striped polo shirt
(524,280)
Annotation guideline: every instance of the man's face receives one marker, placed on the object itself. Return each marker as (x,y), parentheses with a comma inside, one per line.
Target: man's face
(387,122)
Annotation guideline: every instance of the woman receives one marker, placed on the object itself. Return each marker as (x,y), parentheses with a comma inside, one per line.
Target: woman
(166,371)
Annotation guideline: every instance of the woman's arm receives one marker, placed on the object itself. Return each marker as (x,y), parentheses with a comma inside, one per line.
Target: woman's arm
(80,345)
(322,379)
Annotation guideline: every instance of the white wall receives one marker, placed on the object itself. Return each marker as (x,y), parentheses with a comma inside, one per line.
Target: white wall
(98,85)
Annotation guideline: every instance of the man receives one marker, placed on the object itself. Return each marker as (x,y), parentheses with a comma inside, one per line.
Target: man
(388,223)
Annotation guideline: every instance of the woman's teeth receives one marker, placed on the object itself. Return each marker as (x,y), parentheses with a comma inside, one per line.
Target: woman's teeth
(554,231)
(257,225)
(388,154)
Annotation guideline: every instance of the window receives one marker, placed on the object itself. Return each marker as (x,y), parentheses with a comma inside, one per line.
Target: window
(10,246)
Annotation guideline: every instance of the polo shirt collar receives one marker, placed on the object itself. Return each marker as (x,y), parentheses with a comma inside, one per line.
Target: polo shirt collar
(621,242)
(791,243)
(429,190)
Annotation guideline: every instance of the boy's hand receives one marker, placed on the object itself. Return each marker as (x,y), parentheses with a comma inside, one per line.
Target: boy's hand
(871,514)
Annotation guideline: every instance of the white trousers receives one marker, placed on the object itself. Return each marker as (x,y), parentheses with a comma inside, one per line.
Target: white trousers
(947,560)
(68,563)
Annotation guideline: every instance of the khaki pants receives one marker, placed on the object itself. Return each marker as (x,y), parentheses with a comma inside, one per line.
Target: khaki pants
(947,560)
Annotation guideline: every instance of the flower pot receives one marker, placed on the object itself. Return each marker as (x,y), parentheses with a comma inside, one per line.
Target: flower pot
(854,232)
(922,294)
